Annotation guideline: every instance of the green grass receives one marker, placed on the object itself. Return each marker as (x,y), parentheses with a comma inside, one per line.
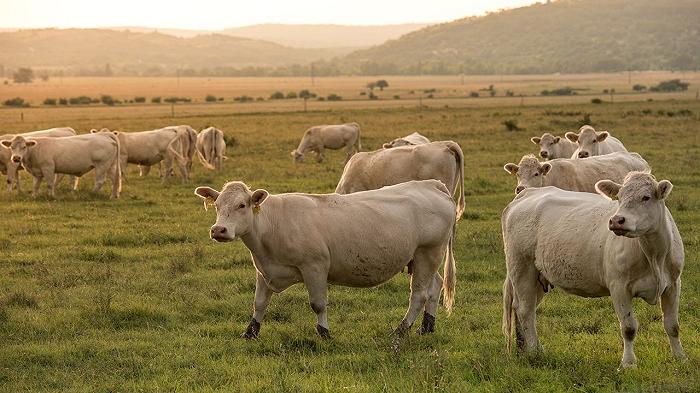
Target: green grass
(131,295)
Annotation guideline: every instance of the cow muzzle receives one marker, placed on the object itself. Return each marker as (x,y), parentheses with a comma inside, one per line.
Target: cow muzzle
(544,154)
(519,189)
(583,154)
(16,159)
(219,233)
(617,225)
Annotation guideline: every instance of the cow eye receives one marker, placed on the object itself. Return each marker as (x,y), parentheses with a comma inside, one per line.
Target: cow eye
(241,206)
(646,198)
(537,174)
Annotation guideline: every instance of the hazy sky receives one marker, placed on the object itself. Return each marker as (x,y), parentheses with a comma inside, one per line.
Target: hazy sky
(219,14)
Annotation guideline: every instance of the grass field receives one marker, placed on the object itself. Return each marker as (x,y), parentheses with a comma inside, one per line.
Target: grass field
(131,295)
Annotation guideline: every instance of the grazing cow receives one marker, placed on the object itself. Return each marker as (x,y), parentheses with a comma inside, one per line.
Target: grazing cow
(334,137)
(442,160)
(211,148)
(592,143)
(413,139)
(71,155)
(148,148)
(356,240)
(552,147)
(574,175)
(11,168)
(592,246)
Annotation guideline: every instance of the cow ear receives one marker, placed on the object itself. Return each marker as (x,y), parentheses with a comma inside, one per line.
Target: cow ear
(608,188)
(93,131)
(259,196)
(601,136)
(292,153)
(511,168)
(6,144)
(208,194)
(572,136)
(536,140)
(31,143)
(557,139)
(663,189)
(545,168)
(387,145)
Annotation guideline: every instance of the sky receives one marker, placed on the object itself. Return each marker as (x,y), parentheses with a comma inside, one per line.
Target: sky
(220,14)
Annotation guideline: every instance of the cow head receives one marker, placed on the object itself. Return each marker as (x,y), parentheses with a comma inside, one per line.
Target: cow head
(94,131)
(18,146)
(297,155)
(236,207)
(641,206)
(588,141)
(530,172)
(546,144)
(396,143)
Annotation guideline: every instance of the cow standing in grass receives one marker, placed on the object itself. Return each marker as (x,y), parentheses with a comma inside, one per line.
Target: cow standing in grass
(592,246)
(318,139)
(356,240)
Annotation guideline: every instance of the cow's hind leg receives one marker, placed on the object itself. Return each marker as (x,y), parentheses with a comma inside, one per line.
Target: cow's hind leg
(669,306)
(528,293)
(144,170)
(431,305)
(425,264)
(100,176)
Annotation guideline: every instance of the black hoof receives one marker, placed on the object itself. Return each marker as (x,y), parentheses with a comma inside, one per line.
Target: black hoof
(428,325)
(252,331)
(323,332)
(402,329)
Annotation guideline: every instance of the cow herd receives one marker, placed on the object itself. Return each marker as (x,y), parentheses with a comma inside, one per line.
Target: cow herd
(591,219)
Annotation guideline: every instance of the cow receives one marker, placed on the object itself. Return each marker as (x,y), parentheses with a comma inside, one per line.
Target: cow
(211,148)
(357,240)
(442,160)
(592,143)
(147,148)
(334,137)
(72,155)
(412,139)
(574,174)
(10,168)
(592,246)
(552,147)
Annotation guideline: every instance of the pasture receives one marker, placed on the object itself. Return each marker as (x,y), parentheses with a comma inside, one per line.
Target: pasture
(131,295)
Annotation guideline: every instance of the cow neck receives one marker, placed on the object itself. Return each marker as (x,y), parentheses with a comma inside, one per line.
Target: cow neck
(261,231)
(656,245)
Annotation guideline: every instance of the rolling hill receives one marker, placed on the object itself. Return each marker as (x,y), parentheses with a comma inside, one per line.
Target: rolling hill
(571,36)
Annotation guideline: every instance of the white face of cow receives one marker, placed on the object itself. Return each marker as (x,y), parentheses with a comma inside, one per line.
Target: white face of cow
(546,144)
(298,157)
(530,172)
(236,207)
(642,203)
(588,141)
(18,146)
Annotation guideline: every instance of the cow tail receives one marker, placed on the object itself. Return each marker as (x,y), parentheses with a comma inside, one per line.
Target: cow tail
(182,160)
(358,143)
(507,312)
(450,272)
(204,160)
(459,158)
(117,167)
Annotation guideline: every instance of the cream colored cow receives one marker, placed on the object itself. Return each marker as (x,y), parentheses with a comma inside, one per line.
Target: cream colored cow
(11,168)
(211,148)
(412,139)
(552,147)
(442,160)
(592,143)
(591,246)
(358,240)
(574,175)
(334,137)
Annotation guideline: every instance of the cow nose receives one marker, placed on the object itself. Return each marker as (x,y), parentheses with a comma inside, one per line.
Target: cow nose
(616,221)
(543,154)
(16,159)
(583,154)
(519,189)
(217,231)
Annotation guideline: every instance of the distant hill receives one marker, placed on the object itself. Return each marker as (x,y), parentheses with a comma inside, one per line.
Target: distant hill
(560,36)
(324,36)
(85,48)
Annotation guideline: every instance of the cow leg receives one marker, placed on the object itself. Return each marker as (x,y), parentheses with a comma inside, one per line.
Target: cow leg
(144,170)
(431,305)
(425,264)
(100,177)
(622,301)
(528,292)
(50,181)
(669,306)
(319,154)
(37,183)
(316,282)
(74,180)
(57,179)
(263,294)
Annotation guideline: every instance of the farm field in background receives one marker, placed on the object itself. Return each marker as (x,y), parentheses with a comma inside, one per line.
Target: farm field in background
(131,295)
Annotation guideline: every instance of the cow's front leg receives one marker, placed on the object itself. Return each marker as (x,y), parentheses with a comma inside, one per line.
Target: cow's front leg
(669,306)
(316,281)
(622,300)
(37,183)
(50,182)
(319,154)
(263,294)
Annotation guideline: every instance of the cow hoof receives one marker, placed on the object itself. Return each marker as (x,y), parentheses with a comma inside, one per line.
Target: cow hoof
(323,332)
(428,325)
(402,329)
(252,331)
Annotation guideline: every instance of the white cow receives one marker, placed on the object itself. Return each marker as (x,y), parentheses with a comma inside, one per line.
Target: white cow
(357,240)
(412,139)
(441,160)
(11,168)
(211,148)
(71,155)
(591,246)
(334,137)
(552,147)
(592,143)
(574,175)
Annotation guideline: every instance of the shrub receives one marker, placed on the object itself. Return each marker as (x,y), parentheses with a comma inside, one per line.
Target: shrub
(334,97)
(372,96)
(278,95)
(260,99)
(155,100)
(50,101)
(62,101)
(397,97)
(291,95)
(363,93)
(173,100)
(639,87)
(429,95)
(474,94)
(321,99)
(596,101)
(17,101)
(244,98)
(305,94)
(210,98)
(512,125)
(139,100)
(509,93)
(107,100)
(670,85)
(564,91)
(80,100)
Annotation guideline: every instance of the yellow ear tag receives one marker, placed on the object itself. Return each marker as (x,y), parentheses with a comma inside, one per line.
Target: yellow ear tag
(256,209)
(208,201)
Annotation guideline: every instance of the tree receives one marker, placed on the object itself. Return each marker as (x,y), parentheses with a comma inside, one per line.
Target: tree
(305,94)
(23,75)
(371,86)
(381,84)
